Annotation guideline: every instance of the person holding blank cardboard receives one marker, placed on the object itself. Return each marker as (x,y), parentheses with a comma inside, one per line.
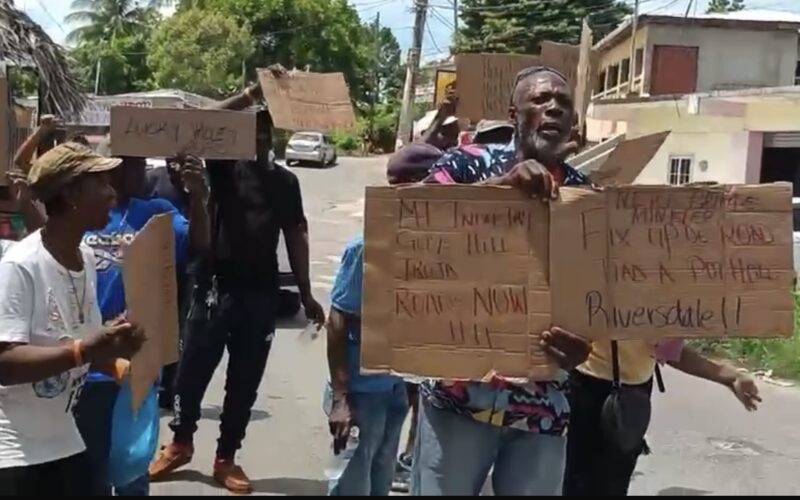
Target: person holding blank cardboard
(465,429)
(51,328)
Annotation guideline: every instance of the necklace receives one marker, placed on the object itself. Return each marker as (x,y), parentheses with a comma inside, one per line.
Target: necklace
(73,288)
(82,300)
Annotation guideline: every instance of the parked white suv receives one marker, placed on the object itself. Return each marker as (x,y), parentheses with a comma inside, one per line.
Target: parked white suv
(312,147)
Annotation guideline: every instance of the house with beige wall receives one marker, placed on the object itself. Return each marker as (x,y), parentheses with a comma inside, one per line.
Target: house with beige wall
(723,89)
(684,55)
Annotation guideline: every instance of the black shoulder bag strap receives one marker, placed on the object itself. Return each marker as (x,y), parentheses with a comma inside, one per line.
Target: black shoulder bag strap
(615,367)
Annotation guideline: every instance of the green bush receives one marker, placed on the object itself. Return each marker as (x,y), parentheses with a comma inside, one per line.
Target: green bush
(346,140)
(782,356)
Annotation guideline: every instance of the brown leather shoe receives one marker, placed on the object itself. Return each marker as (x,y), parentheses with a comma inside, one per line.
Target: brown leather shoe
(169,459)
(232,477)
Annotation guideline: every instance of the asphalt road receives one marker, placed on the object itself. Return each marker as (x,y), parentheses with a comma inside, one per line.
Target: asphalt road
(703,441)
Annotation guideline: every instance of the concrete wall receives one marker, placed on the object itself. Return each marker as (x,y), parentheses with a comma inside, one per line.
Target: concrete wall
(734,58)
(727,134)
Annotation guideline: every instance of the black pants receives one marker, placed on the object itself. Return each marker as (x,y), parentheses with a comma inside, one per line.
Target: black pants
(69,477)
(244,322)
(595,466)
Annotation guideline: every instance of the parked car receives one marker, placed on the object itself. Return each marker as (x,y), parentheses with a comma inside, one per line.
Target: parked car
(796,213)
(312,147)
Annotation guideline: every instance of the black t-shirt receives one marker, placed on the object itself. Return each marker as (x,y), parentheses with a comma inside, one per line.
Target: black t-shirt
(250,205)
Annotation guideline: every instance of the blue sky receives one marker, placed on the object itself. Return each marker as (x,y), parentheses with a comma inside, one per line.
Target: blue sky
(395,14)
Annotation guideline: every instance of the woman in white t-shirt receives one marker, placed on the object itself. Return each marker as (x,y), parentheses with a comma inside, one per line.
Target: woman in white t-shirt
(51,329)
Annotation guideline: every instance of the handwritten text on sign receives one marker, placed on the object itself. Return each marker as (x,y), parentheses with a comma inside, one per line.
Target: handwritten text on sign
(650,262)
(456,283)
(165,132)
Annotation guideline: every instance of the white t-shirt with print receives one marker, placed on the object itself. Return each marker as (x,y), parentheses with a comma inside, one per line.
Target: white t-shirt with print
(39,305)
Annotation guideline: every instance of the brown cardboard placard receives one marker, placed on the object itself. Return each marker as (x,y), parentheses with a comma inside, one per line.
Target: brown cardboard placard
(302,100)
(151,296)
(486,81)
(648,262)
(165,132)
(455,283)
(562,57)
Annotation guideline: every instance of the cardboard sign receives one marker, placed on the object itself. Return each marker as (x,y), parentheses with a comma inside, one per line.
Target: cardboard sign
(308,101)
(459,281)
(583,85)
(444,78)
(562,57)
(485,83)
(647,262)
(167,132)
(455,283)
(151,295)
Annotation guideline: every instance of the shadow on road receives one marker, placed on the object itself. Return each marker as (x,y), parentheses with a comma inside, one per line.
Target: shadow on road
(276,486)
(213,412)
(291,486)
(679,491)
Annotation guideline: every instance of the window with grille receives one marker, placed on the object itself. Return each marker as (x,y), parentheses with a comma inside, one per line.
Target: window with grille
(680,170)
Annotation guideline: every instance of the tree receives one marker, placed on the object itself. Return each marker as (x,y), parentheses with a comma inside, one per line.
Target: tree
(112,39)
(521,25)
(107,19)
(319,35)
(721,6)
(200,51)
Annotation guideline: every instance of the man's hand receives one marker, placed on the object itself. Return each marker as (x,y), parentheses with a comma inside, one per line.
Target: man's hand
(19,189)
(193,176)
(567,349)
(746,391)
(314,310)
(340,422)
(122,340)
(532,178)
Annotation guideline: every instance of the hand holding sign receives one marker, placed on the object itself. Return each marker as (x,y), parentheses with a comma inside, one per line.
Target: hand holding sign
(530,177)
(567,349)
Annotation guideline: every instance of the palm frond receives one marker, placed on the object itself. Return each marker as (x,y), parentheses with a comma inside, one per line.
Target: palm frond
(23,42)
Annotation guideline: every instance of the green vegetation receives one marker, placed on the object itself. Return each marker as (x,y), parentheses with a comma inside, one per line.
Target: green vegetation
(715,6)
(514,26)
(782,356)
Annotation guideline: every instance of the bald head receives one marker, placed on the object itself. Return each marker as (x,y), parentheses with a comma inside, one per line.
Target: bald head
(542,112)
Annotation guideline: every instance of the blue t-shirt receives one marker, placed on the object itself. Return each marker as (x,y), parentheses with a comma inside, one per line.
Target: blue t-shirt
(346,297)
(124,223)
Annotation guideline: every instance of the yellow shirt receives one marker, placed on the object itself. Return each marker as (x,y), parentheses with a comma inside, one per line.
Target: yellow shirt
(637,361)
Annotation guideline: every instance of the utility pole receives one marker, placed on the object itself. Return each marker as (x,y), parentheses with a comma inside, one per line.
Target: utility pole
(412,68)
(634,29)
(97,76)
(376,81)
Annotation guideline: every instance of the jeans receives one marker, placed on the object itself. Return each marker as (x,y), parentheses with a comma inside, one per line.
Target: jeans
(595,466)
(93,415)
(380,418)
(244,322)
(70,476)
(454,455)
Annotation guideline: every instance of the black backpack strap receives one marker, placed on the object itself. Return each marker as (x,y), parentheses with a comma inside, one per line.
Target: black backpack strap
(660,380)
(615,362)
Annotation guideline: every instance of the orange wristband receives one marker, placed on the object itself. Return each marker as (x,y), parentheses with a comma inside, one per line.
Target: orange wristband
(76,353)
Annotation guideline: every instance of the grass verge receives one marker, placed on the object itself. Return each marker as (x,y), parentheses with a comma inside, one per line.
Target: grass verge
(782,356)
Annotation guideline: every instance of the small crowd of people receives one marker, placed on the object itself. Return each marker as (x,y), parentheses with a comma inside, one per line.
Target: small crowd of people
(65,340)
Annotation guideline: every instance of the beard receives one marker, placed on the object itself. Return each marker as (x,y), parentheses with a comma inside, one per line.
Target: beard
(538,147)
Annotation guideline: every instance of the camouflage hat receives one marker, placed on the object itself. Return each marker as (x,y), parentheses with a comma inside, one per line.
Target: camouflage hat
(62,164)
